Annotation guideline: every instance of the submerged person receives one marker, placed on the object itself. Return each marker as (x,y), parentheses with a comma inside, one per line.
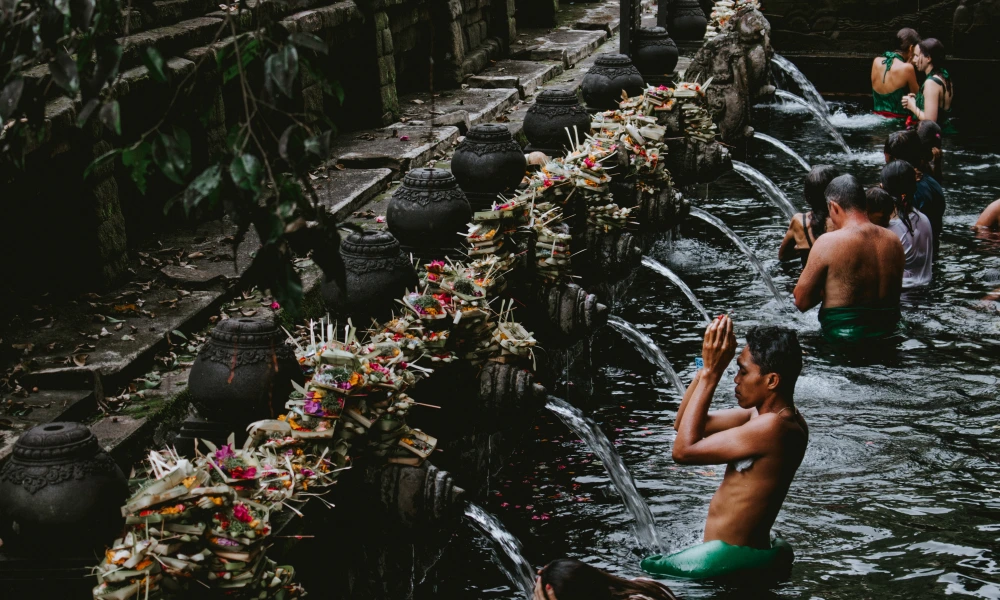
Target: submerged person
(933,101)
(570,579)
(856,272)
(929,133)
(989,220)
(911,226)
(806,227)
(762,442)
(893,76)
(880,206)
(929,195)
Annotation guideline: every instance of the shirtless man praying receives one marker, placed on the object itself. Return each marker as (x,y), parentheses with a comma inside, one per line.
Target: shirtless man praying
(763,442)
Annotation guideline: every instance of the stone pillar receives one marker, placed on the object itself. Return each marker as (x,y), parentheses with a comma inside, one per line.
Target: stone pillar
(99,193)
(386,69)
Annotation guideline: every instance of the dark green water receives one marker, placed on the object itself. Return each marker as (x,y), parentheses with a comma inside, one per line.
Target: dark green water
(899,492)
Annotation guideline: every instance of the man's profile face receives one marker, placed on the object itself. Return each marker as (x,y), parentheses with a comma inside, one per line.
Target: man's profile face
(751,385)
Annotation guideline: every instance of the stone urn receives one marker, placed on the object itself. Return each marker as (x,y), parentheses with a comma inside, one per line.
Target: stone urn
(377,274)
(243,373)
(488,162)
(611,74)
(554,111)
(60,493)
(687,20)
(656,54)
(428,211)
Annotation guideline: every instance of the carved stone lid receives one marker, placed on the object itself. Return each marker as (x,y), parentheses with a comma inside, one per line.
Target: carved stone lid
(560,96)
(488,132)
(244,330)
(56,441)
(613,60)
(654,33)
(430,179)
(370,243)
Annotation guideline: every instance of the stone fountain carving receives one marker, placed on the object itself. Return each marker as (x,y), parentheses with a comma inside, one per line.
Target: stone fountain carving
(738,60)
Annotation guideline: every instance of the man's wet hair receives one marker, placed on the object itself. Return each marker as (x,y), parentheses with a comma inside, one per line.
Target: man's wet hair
(846,191)
(904,145)
(878,200)
(776,350)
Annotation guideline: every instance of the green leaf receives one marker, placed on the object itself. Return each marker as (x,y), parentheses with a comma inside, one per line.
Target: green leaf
(87,110)
(138,159)
(154,62)
(172,154)
(99,161)
(237,137)
(246,172)
(204,186)
(111,116)
(178,333)
(287,287)
(292,145)
(337,90)
(248,52)
(283,68)
(310,41)
(319,145)
(10,96)
(64,73)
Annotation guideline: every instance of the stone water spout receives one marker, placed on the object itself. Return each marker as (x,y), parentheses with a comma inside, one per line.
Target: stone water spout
(572,310)
(415,496)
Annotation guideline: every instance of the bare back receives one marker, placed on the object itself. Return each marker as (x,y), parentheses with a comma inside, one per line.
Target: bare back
(900,75)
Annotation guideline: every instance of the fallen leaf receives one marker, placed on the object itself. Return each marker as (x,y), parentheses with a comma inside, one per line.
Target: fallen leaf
(100,318)
(416,101)
(119,326)
(80,359)
(104,332)
(339,166)
(125,307)
(127,338)
(179,334)
(195,255)
(248,312)
(183,293)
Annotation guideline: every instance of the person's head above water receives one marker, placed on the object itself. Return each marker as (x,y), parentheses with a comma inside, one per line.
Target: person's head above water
(845,195)
(903,145)
(929,55)
(816,181)
(929,133)
(879,205)
(769,365)
(906,39)
(899,179)
(570,579)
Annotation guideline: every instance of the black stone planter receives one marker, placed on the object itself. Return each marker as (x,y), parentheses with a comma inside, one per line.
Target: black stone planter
(427,212)
(553,112)
(60,494)
(243,373)
(656,55)
(687,21)
(377,273)
(611,74)
(488,162)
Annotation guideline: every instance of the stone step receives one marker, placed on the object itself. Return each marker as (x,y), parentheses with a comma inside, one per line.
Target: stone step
(526,76)
(605,17)
(568,46)
(399,148)
(344,192)
(171,40)
(461,108)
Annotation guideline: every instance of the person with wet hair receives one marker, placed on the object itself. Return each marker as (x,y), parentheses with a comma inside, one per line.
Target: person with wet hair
(929,195)
(894,76)
(855,272)
(933,101)
(805,228)
(911,226)
(571,579)
(762,442)
(879,206)
(930,133)
(989,220)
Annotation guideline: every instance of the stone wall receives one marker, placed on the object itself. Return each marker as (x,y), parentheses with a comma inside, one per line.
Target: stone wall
(61,232)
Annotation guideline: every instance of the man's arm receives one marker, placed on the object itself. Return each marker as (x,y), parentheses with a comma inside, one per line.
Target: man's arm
(749,440)
(812,281)
(718,420)
(990,217)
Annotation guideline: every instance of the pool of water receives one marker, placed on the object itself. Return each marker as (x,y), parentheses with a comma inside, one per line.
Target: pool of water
(899,491)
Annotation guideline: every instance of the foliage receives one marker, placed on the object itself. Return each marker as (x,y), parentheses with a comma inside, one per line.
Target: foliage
(262,177)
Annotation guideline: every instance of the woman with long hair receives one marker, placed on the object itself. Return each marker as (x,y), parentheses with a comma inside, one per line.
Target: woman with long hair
(570,579)
(893,76)
(929,133)
(933,101)
(806,227)
(913,228)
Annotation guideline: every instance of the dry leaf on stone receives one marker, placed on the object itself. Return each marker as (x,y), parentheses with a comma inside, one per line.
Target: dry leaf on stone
(118,327)
(80,359)
(104,332)
(195,255)
(248,312)
(416,101)
(127,338)
(100,318)
(183,293)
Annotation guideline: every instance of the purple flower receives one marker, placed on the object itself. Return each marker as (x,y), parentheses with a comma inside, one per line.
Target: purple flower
(224,452)
(313,407)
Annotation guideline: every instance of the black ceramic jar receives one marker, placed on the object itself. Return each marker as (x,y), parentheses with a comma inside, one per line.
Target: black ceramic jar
(243,373)
(554,111)
(60,493)
(428,210)
(488,162)
(687,20)
(377,274)
(656,54)
(611,74)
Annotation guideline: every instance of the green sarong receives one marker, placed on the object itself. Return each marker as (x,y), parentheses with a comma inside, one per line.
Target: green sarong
(858,323)
(716,559)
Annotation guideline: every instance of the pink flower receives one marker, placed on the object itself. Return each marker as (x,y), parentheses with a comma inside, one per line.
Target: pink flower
(404,138)
(589,162)
(380,219)
(242,513)
(224,452)
(275,306)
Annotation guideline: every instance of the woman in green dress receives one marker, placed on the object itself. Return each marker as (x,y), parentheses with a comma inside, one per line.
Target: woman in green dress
(893,77)
(933,101)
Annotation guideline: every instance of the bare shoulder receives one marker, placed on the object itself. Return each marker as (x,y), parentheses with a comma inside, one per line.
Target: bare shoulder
(991,216)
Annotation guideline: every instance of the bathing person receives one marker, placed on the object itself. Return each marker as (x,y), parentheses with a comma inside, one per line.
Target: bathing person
(856,272)
(913,227)
(893,76)
(762,442)
(929,197)
(929,133)
(989,221)
(879,206)
(570,579)
(933,101)
(805,228)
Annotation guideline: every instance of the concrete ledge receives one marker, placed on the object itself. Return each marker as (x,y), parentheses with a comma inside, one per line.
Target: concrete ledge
(344,192)
(460,108)
(567,46)
(525,76)
(399,148)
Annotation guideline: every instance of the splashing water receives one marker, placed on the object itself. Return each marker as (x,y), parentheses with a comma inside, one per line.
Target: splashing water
(729,233)
(621,477)
(520,572)
(676,280)
(780,145)
(808,89)
(822,117)
(766,187)
(649,350)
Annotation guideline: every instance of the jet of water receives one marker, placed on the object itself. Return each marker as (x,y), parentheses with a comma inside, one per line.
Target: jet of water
(649,350)
(676,280)
(519,572)
(824,119)
(808,89)
(780,145)
(729,233)
(621,477)
(766,187)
